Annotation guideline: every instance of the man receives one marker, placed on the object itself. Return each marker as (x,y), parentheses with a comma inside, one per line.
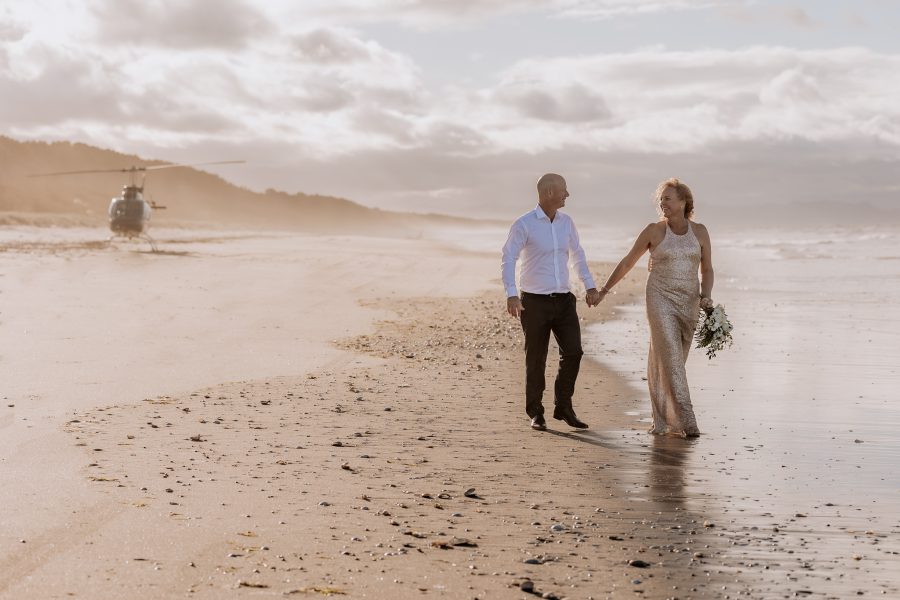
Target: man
(547,239)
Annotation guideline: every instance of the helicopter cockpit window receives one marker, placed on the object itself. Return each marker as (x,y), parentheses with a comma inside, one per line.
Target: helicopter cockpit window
(121,207)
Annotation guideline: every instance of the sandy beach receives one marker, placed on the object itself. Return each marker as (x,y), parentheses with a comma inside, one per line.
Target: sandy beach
(261,414)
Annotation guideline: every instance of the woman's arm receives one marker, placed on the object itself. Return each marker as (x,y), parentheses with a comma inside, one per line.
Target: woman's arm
(641,245)
(707,275)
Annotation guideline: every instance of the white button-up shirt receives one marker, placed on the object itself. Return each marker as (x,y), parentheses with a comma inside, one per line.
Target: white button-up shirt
(545,247)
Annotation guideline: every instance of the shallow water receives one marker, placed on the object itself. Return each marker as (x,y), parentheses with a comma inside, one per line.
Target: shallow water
(799,416)
(814,367)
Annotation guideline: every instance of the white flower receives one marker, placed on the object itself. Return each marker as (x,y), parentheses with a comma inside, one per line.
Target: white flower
(714,331)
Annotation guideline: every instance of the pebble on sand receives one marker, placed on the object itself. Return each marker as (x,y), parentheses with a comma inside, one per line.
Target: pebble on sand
(640,564)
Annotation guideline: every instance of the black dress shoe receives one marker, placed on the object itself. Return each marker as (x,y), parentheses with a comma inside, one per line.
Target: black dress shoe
(569,417)
(539,423)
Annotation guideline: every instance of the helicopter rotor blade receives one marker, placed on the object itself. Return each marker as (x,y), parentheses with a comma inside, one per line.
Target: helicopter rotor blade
(129,170)
(217,162)
(136,169)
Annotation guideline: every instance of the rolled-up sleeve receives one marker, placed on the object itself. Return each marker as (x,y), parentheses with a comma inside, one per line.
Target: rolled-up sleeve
(576,252)
(511,251)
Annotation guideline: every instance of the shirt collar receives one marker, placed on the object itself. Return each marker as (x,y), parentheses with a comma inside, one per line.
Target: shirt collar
(540,214)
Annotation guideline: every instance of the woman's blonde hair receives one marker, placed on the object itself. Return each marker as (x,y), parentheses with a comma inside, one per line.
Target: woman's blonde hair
(683,191)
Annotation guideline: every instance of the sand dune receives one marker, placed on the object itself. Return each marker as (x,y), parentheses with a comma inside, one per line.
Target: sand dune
(192,197)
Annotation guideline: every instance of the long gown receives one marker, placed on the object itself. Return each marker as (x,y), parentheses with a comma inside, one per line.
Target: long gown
(673,308)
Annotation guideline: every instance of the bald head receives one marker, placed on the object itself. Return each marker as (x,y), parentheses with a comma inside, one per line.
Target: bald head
(552,193)
(549,182)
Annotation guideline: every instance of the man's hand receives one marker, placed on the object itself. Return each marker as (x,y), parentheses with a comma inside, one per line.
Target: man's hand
(593,297)
(514,306)
(706,303)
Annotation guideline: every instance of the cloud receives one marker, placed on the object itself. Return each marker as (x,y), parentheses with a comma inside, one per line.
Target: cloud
(658,99)
(750,13)
(332,46)
(11,30)
(607,9)
(799,17)
(438,14)
(574,103)
(308,86)
(87,90)
(184,24)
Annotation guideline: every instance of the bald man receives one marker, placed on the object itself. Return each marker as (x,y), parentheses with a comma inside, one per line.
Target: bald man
(546,239)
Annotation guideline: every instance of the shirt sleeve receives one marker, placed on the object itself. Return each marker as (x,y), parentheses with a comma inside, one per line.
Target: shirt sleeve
(576,253)
(511,251)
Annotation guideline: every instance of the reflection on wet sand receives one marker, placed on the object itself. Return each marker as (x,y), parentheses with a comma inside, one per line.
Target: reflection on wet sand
(669,457)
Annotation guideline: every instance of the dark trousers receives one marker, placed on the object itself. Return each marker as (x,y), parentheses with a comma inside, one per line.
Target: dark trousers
(542,316)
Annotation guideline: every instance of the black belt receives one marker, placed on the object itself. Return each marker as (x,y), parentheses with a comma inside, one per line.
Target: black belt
(553,295)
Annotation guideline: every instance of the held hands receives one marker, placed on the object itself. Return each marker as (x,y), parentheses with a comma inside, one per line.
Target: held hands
(514,306)
(705,302)
(593,297)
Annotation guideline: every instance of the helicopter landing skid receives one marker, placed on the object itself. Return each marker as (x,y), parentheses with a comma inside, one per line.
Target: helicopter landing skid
(151,241)
(143,236)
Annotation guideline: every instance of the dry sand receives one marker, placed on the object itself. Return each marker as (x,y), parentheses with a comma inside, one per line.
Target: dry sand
(270,415)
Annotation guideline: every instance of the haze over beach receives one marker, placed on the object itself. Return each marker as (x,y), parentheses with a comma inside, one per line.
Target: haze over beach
(313,388)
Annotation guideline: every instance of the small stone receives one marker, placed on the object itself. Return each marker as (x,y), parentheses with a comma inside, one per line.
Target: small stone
(558,527)
(470,493)
(640,564)
(532,561)
(527,586)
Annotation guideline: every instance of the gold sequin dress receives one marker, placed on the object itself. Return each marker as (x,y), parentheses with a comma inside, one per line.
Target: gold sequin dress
(673,308)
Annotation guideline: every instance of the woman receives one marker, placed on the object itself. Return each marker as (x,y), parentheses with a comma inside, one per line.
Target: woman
(678,247)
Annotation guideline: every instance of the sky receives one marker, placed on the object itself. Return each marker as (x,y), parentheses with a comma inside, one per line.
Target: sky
(458,106)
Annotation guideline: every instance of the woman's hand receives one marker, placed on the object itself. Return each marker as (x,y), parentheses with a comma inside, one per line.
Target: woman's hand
(706,303)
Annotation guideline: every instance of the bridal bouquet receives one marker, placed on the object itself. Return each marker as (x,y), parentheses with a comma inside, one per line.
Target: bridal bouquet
(713,330)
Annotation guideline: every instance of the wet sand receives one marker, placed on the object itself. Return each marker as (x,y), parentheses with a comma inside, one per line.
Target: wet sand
(231,458)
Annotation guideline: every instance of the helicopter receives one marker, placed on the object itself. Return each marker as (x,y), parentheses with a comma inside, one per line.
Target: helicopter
(129,213)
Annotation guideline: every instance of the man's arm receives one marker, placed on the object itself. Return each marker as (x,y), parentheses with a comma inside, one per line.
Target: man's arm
(576,252)
(511,251)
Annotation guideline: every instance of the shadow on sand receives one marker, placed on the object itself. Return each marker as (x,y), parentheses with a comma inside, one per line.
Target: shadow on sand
(587,437)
